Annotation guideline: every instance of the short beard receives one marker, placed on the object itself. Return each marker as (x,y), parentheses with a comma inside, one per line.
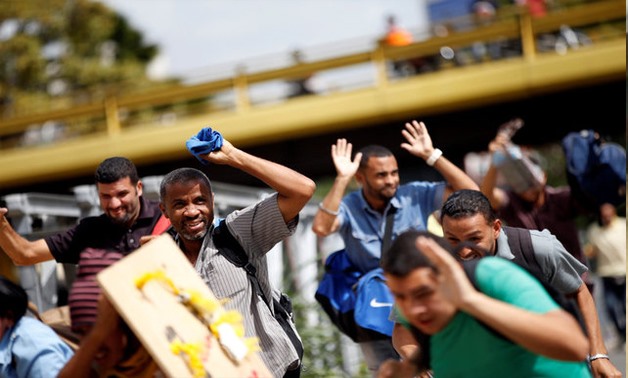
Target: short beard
(123,221)
(194,237)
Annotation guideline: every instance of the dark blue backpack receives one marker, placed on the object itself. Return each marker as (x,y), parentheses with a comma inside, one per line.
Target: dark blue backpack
(596,170)
(336,292)
(358,304)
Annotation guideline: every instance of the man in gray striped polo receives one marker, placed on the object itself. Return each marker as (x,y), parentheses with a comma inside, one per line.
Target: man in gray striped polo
(187,200)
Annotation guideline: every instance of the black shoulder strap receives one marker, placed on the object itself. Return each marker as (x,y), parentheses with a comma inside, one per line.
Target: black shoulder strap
(390,221)
(469,267)
(223,239)
(231,249)
(520,243)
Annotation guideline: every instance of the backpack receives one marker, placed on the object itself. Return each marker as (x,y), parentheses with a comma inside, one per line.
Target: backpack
(336,292)
(596,170)
(373,304)
(358,304)
(231,249)
(520,243)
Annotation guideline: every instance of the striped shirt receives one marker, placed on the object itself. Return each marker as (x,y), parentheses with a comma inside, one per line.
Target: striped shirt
(257,228)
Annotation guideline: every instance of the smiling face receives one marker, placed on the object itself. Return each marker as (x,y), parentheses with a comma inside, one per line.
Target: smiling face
(379,179)
(120,200)
(473,229)
(189,206)
(418,297)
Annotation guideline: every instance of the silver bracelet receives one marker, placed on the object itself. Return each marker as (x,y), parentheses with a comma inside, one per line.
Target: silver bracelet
(598,356)
(436,154)
(326,210)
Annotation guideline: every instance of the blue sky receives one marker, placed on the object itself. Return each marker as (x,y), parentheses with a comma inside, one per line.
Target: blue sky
(195,35)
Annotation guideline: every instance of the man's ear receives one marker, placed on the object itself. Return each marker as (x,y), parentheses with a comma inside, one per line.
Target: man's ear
(359,177)
(497,226)
(163,210)
(139,188)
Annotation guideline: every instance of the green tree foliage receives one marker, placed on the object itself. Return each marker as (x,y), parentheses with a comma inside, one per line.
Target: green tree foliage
(53,48)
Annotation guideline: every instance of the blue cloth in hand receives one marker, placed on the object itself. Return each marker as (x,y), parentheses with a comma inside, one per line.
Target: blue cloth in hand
(206,141)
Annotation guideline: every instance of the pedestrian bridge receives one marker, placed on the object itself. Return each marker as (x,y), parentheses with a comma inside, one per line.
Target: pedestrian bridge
(64,141)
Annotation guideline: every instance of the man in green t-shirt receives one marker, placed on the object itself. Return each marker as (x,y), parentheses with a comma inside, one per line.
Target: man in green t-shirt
(501,322)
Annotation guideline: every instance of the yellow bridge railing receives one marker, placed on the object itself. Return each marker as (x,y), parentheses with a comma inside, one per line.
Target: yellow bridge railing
(116,113)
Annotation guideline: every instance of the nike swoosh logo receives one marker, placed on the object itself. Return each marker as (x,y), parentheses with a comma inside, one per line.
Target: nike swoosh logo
(376,304)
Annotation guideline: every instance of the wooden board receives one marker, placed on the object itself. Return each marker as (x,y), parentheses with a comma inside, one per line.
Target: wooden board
(157,317)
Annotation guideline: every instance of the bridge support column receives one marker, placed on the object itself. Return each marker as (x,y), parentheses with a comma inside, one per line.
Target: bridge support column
(111,115)
(379,59)
(528,43)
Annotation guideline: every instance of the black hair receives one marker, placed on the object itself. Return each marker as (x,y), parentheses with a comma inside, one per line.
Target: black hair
(467,203)
(373,150)
(403,256)
(182,175)
(13,300)
(114,169)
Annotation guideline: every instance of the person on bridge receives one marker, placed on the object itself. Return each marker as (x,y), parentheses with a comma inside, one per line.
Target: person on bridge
(361,216)
(127,217)
(397,36)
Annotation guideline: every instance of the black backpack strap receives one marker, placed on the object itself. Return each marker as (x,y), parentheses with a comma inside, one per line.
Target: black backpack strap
(231,249)
(390,221)
(469,267)
(520,243)
(228,245)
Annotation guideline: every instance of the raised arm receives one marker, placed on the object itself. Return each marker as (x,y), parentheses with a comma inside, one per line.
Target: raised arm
(294,189)
(326,220)
(20,250)
(419,144)
(554,334)
(489,188)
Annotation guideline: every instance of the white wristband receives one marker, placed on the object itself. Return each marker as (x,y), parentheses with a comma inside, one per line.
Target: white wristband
(326,210)
(598,356)
(436,154)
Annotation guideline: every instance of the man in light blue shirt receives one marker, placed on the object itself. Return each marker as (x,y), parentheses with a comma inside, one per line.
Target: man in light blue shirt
(362,227)
(28,347)
(360,217)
